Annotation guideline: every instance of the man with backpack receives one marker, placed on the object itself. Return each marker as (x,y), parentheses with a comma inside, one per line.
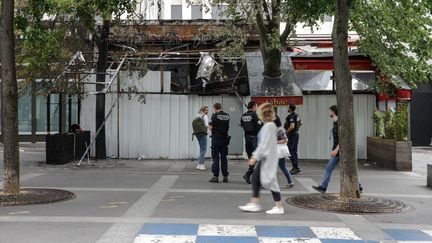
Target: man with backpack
(200,125)
(219,126)
(251,125)
(292,125)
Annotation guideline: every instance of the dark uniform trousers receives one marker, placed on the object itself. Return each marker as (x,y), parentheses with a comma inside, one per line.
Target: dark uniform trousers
(251,144)
(293,140)
(219,149)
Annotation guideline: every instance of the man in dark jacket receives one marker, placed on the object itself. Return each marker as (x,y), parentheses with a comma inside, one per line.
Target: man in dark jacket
(219,126)
(334,154)
(251,125)
(292,125)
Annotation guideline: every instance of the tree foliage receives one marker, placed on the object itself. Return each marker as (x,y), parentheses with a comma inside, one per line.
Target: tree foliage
(396,34)
(273,20)
(53,30)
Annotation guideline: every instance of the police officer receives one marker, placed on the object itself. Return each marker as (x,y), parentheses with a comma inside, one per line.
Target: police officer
(292,125)
(251,125)
(219,126)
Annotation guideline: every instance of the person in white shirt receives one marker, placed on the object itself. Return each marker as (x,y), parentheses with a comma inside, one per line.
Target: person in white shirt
(202,138)
(265,158)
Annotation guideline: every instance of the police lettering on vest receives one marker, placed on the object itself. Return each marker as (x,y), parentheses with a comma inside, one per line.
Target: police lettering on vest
(250,123)
(220,123)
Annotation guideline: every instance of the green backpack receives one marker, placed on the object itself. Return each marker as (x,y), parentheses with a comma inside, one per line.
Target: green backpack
(199,127)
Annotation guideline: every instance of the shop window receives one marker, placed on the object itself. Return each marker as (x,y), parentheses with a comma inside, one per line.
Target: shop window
(41,114)
(73,109)
(24,111)
(54,113)
(323,80)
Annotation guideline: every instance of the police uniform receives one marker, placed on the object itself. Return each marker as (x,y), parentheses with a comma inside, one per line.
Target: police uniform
(251,125)
(293,137)
(220,141)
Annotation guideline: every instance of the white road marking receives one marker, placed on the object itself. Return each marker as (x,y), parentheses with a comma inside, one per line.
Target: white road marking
(165,239)
(287,240)
(226,230)
(334,233)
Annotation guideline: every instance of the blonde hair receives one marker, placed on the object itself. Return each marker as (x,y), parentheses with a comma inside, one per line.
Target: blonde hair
(266,112)
(202,109)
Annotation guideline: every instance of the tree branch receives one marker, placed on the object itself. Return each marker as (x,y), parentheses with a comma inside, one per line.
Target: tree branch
(266,10)
(290,24)
(287,31)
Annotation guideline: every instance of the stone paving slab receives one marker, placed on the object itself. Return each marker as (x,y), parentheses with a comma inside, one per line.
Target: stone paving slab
(98,204)
(96,179)
(109,189)
(225,206)
(36,232)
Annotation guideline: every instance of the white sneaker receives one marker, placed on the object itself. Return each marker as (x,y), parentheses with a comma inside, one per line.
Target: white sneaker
(202,167)
(198,167)
(251,207)
(275,211)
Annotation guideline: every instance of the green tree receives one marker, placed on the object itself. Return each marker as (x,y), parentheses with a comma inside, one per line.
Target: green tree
(9,97)
(396,34)
(43,46)
(267,17)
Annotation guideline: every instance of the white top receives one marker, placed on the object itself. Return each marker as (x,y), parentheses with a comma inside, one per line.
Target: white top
(205,118)
(266,154)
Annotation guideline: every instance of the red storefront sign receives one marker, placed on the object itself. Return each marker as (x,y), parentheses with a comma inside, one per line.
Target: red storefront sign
(279,101)
(303,64)
(401,94)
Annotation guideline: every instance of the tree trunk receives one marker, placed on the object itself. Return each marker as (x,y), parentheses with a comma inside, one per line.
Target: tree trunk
(270,53)
(272,61)
(11,183)
(349,187)
(101,67)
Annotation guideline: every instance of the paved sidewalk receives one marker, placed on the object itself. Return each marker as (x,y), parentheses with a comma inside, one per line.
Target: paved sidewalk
(166,201)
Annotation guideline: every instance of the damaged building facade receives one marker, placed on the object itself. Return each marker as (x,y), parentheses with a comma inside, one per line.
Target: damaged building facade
(150,108)
(159,125)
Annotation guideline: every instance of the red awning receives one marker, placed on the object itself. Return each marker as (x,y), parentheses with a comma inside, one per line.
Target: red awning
(327,64)
(279,101)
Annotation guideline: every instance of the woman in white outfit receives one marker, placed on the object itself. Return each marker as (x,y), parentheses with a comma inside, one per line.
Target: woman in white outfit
(202,138)
(265,158)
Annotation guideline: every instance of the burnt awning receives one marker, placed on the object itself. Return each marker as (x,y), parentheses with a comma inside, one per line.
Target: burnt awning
(279,91)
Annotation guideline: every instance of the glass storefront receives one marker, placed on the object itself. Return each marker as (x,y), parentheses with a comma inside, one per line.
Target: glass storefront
(43,116)
(24,112)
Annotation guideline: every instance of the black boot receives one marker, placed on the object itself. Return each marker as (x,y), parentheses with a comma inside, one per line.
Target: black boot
(214,179)
(248,174)
(247,177)
(295,171)
(319,189)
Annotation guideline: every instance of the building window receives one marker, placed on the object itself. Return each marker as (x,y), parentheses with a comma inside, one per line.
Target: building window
(196,12)
(176,12)
(24,111)
(219,11)
(328,18)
